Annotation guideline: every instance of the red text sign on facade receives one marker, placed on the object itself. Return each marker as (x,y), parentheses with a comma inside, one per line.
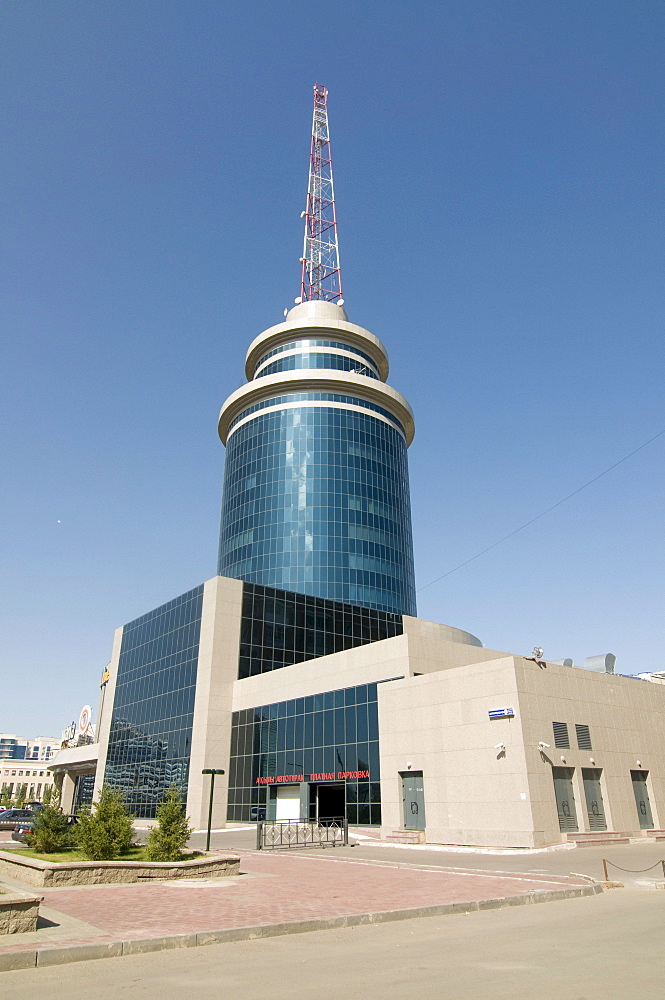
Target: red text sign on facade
(286,779)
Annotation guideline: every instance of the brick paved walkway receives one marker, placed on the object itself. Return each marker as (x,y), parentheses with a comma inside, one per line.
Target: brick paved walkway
(277,887)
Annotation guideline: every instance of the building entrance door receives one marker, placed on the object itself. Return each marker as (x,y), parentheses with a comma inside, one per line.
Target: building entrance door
(288,803)
(594,798)
(565,799)
(642,799)
(330,802)
(413,799)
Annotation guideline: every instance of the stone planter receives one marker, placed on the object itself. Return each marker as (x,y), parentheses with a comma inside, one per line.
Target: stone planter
(18,911)
(63,873)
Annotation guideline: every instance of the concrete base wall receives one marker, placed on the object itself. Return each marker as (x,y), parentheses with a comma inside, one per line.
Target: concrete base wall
(18,912)
(52,874)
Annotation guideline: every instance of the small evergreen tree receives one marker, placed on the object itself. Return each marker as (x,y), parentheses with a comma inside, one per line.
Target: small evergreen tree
(21,795)
(167,840)
(50,831)
(5,798)
(107,832)
(49,793)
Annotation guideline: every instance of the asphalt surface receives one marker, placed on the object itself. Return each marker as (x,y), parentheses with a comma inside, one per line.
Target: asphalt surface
(607,946)
(645,854)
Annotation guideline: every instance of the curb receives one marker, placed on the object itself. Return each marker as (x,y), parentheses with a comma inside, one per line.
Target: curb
(39,957)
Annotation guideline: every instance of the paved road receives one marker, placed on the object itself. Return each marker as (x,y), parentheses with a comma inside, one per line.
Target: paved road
(582,860)
(607,947)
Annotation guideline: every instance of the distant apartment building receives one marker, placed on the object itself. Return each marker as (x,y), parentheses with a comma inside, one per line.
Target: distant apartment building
(23,765)
(16,748)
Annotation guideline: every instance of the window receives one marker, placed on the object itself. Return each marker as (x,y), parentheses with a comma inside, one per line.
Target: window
(329,736)
(583,737)
(151,727)
(561,738)
(281,627)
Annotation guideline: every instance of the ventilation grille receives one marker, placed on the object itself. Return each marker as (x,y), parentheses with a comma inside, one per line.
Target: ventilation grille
(583,737)
(561,735)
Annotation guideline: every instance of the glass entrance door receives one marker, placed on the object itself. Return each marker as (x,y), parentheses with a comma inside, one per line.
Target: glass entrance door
(642,799)
(594,798)
(565,799)
(330,802)
(413,798)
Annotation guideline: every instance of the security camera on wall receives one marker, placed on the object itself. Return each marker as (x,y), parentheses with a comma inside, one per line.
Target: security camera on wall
(499,746)
(543,745)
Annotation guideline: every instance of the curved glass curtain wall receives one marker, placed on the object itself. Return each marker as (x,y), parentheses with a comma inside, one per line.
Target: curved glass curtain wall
(305,344)
(338,362)
(316,492)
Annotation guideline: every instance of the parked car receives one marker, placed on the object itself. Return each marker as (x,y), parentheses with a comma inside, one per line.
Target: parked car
(26,825)
(9,817)
(22,827)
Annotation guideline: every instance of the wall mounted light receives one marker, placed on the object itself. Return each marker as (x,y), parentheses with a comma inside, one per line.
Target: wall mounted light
(591,760)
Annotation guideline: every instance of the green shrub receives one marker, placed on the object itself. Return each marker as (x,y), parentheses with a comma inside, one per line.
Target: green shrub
(167,840)
(50,832)
(106,832)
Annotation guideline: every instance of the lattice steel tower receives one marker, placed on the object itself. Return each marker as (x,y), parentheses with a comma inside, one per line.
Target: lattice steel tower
(316,489)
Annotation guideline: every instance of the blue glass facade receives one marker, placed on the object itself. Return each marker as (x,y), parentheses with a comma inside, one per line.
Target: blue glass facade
(334,361)
(316,500)
(322,739)
(280,628)
(303,345)
(153,710)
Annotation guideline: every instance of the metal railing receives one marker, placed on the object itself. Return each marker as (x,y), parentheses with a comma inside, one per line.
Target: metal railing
(273,835)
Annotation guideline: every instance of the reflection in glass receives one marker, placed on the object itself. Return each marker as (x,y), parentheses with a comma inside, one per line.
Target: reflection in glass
(151,725)
(275,742)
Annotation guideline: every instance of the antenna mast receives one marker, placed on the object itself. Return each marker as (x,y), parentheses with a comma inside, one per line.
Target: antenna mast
(321,276)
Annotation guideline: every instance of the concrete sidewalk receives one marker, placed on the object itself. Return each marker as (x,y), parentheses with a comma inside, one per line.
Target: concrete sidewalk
(279,893)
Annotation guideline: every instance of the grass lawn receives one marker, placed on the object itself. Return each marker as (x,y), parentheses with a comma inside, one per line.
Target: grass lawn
(133,854)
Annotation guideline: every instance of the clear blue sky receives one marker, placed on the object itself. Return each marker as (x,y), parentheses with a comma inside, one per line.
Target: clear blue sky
(499,174)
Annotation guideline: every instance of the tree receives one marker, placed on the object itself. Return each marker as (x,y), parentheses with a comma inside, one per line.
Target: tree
(49,793)
(167,840)
(5,797)
(106,832)
(50,832)
(21,795)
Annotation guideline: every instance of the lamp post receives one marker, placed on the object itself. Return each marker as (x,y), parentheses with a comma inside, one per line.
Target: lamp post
(212,771)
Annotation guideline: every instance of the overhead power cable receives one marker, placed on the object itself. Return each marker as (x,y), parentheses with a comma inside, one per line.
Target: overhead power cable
(543,513)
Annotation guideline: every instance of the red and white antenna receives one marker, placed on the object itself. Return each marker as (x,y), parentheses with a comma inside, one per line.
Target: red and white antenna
(321,276)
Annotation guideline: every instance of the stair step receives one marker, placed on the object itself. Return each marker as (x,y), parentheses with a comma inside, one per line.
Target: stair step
(602,840)
(597,835)
(657,834)
(407,836)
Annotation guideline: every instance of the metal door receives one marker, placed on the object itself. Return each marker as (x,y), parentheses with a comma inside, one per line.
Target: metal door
(642,799)
(594,798)
(413,799)
(288,803)
(565,799)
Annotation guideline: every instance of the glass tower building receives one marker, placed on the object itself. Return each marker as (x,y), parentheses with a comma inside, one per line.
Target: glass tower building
(316,489)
